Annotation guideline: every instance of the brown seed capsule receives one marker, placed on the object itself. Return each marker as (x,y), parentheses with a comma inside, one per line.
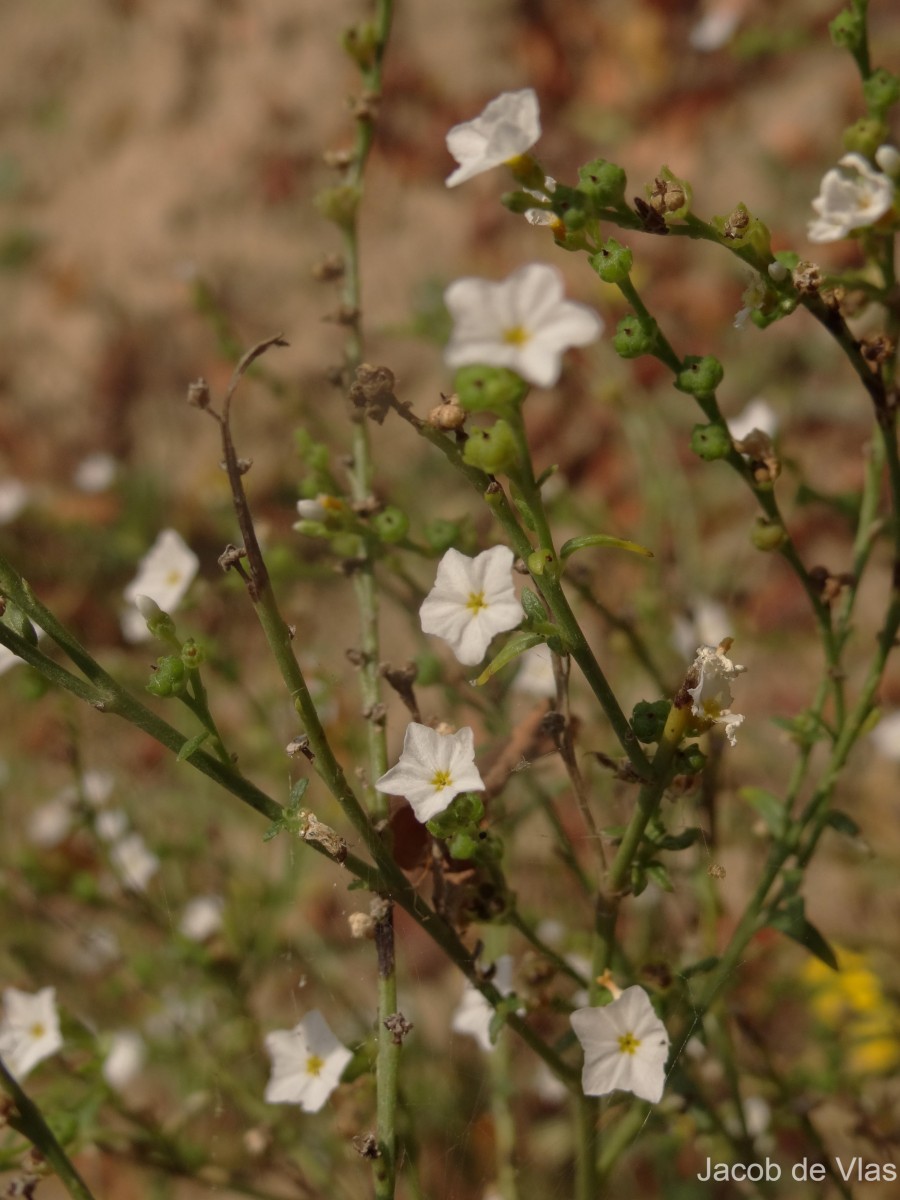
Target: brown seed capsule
(448,415)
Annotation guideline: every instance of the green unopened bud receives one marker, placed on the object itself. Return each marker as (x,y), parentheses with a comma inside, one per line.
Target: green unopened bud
(391,524)
(848,30)
(493,450)
(542,562)
(575,219)
(612,262)
(768,535)
(488,389)
(690,760)
(603,183)
(441,534)
(865,136)
(339,204)
(527,171)
(519,202)
(463,814)
(192,655)
(710,442)
(648,719)
(361,43)
(316,529)
(169,677)
(881,90)
(700,376)
(635,336)
(159,623)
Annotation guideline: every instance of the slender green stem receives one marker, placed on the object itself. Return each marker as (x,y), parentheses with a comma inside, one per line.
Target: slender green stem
(587,1178)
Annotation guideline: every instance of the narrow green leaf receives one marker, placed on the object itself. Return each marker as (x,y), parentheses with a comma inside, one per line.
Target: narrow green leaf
(514,647)
(769,807)
(843,823)
(602,539)
(191,746)
(794,924)
(660,876)
(297,793)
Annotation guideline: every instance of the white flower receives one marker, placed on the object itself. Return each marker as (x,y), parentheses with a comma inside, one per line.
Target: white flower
(133,862)
(474,1014)
(319,509)
(706,622)
(535,676)
(202,918)
(13,499)
(50,824)
(507,127)
(95,473)
(852,194)
(472,600)
(625,1047)
(757,415)
(711,672)
(433,768)
(111,824)
(886,736)
(754,297)
(164,575)
(307,1063)
(29,1029)
(716,27)
(124,1058)
(522,323)
(888,159)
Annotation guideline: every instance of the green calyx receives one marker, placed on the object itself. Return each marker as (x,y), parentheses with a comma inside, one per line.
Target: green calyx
(339,204)
(169,677)
(493,450)
(881,90)
(648,719)
(768,536)
(865,136)
(700,376)
(612,262)
(602,184)
(635,336)
(741,230)
(391,524)
(488,389)
(710,442)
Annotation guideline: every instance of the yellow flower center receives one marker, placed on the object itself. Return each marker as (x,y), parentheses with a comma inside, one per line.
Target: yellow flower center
(628,1043)
(476,602)
(516,335)
(173,576)
(37,1030)
(440,780)
(314,1065)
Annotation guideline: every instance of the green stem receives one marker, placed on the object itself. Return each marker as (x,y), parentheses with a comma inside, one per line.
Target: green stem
(587,1179)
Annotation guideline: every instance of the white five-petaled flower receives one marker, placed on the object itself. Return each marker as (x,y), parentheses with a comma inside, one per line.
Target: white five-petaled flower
(472,600)
(433,768)
(134,863)
(164,574)
(307,1063)
(852,194)
(29,1029)
(625,1047)
(124,1058)
(507,127)
(474,1014)
(523,323)
(711,673)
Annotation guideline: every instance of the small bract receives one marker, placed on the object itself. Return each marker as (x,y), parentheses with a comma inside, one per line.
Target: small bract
(852,195)
(472,600)
(433,768)
(307,1063)
(625,1047)
(29,1029)
(507,127)
(523,323)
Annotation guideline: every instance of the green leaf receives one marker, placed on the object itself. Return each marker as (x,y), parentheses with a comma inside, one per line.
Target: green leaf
(602,539)
(660,876)
(701,967)
(791,920)
(769,807)
(514,647)
(191,746)
(679,841)
(843,823)
(298,790)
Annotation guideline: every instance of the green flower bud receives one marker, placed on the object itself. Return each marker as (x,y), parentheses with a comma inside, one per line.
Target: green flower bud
(865,136)
(767,535)
(612,262)
(192,655)
(493,450)
(710,442)
(339,204)
(519,202)
(701,376)
(462,815)
(488,389)
(848,30)
(169,678)
(391,524)
(315,529)
(361,43)
(635,337)
(603,183)
(575,219)
(690,760)
(441,534)
(542,562)
(881,90)
(648,719)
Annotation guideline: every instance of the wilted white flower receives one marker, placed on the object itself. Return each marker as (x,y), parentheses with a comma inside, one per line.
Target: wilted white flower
(541,216)
(507,127)
(433,768)
(124,1058)
(164,575)
(753,298)
(474,1014)
(711,673)
(95,473)
(133,862)
(758,414)
(852,194)
(202,918)
(523,323)
(535,676)
(29,1029)
(472,600)
(13,499)
(625,1047)
(307,1063)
